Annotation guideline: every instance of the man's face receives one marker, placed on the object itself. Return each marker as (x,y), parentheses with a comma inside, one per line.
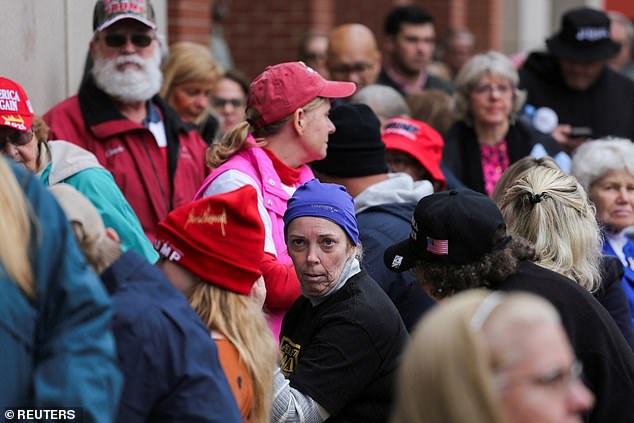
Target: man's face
(358,63)
(580,75)
(412,48)
(127,61)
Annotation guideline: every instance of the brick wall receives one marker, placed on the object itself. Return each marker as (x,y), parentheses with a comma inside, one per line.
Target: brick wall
(263,32)
(189,20)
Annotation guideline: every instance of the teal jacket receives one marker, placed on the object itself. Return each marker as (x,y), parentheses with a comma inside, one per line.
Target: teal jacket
(75,166)
(57,350)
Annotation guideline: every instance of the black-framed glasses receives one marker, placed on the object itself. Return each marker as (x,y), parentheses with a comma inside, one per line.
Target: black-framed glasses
(117,39)
(10,135)
(221,102)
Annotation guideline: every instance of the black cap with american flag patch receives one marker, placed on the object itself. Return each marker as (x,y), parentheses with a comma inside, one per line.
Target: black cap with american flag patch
(455,227)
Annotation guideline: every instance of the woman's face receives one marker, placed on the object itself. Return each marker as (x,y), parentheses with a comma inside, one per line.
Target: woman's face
(190,99)
(317,127)
(319,249)
(25,154)
(544,385)
(229,102)
(491,100)
(613,196)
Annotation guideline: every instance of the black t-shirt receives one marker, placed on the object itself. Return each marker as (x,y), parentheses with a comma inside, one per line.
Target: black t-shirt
(344,352)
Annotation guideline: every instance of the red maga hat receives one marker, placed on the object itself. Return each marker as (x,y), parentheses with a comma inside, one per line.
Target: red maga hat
(220,239)
(15,108)
(417,139)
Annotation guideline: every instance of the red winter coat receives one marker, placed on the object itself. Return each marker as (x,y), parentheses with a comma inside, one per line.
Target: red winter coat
(152,185)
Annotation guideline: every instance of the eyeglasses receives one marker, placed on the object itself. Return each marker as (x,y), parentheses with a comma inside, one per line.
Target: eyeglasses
(503,89)
(116,39)
(557,380)
(15,137)
(345,69)
(221,102)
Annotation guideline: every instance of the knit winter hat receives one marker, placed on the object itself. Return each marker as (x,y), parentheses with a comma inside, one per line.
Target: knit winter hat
(355,148)
(220,239)
(328,201)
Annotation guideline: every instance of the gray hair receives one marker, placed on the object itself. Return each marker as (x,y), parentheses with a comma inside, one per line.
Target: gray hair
(472,72)
(384,101)
(594,159)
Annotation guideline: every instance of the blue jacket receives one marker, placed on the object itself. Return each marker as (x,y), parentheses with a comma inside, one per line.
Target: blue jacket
(379,227)
(56,351)
(75,166)
(627,281)
(169,361)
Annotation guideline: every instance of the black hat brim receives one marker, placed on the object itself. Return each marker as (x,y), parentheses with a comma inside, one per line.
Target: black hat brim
(603,51)
(401,256)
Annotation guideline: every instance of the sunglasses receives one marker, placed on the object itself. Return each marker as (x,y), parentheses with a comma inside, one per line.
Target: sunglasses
(222,102)
(117,40)
(15,137)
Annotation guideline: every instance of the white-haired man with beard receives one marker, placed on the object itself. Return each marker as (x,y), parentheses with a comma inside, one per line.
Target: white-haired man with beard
(157,161)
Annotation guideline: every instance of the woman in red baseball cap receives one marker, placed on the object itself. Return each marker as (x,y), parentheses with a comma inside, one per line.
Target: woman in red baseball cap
(286,127)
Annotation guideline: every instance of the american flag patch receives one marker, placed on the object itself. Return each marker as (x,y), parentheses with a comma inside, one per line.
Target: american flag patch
(440,247)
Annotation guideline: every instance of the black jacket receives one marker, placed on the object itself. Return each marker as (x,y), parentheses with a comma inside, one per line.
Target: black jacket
(462,150)
(379,227)
(607,106)
(608,362)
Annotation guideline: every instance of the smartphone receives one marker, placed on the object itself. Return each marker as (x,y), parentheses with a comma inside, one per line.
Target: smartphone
(580,132)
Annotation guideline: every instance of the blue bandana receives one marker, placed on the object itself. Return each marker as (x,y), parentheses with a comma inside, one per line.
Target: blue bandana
(328,201)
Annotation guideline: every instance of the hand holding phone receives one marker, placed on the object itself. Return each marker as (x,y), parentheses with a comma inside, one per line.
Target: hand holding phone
(580,132)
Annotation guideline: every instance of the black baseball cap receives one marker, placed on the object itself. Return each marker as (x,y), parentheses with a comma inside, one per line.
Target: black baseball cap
(455,227)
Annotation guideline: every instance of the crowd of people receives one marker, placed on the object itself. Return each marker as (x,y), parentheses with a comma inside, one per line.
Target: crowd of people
(396,233)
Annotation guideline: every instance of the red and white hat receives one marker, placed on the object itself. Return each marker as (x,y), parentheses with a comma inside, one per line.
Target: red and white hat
(417,139)
(220,239)
(281,89)
(15,108)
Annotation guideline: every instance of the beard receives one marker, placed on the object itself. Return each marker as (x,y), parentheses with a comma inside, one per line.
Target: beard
(130,85)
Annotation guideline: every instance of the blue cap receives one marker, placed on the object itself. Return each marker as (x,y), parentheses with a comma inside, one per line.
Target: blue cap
(328,201)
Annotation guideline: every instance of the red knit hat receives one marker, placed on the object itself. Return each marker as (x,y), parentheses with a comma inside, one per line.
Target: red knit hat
(15,108)
(417,139)
(220,239)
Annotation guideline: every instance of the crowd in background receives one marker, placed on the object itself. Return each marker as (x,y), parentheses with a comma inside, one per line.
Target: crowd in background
(415,232)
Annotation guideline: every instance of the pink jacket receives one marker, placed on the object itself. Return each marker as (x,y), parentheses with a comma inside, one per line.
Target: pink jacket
(254,162)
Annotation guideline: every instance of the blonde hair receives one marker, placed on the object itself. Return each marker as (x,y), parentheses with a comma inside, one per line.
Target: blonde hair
(515,171)
(551,210)
(41,130)
(15,227)
(101,253)
(448,357)
(235,139)
(189,62)
(243,323)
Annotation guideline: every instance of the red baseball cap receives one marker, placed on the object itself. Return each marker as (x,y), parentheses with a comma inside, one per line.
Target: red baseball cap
(219,238)
(281,89)
(15,108)
(417,139)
